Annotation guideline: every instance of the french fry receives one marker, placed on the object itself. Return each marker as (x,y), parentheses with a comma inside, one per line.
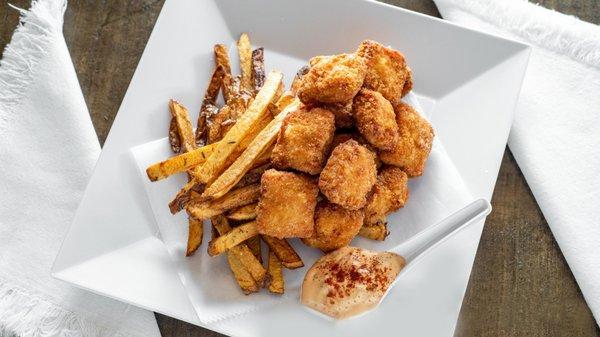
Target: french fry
(245,52)
(235,85)
(254,244)
(215,163)
(377,231)
(240,197)
(284,252)
(222,58)
(184,126)
(284,100)
(215,83)
(276,282)
(263,141)
(246,212)
(232,238)
(187,142)
(258,68)
(201,127)
(241,251)
(179,163)
(183,196)
(239,103)
(214,125)
(208,107)
(195,234)
(253,176)
(248,139)
(242,275)
(251,262)
(273,105)
(213,232)
(174,136)
(264,158)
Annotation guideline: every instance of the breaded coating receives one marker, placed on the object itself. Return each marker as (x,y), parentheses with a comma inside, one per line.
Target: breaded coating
(375,119)
(298,79)
(388,195)
(416,137)
(315,59)
(335,226)
(349,175)
(333,79)
(287,204)
(408,85)
(342,137)
(304,140)
(386,69)
(342,113)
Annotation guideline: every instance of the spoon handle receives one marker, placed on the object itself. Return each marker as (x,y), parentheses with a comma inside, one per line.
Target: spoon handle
(427,239)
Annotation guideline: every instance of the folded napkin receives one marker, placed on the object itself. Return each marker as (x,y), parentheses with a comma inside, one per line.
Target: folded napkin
(48,149)
(555,137)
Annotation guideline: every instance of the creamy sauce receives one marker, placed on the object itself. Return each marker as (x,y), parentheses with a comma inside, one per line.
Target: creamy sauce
(349,281)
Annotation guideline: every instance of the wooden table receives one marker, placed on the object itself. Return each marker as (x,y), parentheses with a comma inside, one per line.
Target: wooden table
(520,284)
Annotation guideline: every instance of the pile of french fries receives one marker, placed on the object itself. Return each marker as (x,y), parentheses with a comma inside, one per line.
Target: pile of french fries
(224,159)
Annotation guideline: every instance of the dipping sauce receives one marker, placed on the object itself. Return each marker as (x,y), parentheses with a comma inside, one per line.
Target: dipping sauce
(349,281)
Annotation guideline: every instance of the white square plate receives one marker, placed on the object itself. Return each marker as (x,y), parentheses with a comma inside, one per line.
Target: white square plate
(468,82)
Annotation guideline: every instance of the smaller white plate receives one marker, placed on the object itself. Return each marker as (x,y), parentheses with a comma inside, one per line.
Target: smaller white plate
(209,283)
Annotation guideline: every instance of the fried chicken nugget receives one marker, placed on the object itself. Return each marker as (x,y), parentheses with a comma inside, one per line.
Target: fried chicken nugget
(333,79)
(375,119)
(342,113)
(388,195)
(335,226)
(287,205)
(342,137)
(414,146)
(304,140)
(386,69)
(349,175)
(408,85)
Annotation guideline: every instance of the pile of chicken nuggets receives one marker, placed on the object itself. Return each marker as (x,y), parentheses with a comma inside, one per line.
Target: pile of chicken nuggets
(342,159)
(325,161)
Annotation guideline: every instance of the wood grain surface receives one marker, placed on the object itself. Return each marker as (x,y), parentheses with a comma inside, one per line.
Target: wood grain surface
(520,284)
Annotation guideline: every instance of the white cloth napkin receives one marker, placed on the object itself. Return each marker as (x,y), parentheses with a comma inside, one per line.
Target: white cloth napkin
(555,137)
(48,149)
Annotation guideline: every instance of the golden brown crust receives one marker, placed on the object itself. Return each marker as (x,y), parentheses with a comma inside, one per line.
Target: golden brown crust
(342,137)
(414,146)
(304,140)
(388,195)
(342,113)
(333,79)
(386,69)
(174,136)
(377,232)
(335,226)
(408,85)
(375,119)
(349,175)
(297,82)
(287,205)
